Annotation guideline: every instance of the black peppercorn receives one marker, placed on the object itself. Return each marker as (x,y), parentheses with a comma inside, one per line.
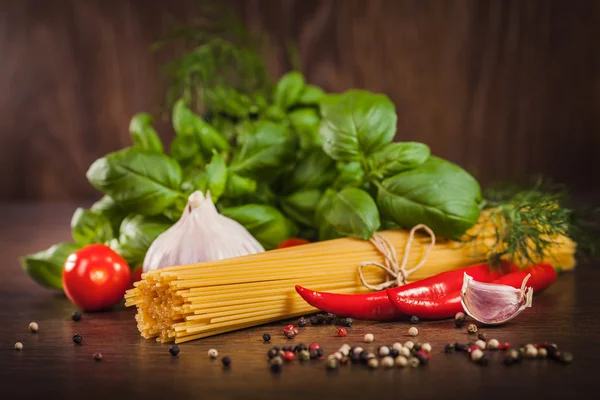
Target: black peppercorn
(313,354)
(414,319)
(416,347)
(276,368)
(302,322)
(508,360)
(449,348)
(77,338)
(483,360)
(422,358)
(355,358)
(76,316)
(300,347)
(226,361)
(174,350)
(272,353)
(320,352)
(482,336)
(329,318)
(364,356)
(287,348)
(459,319)
(461,347)
(266,337)
(394,353)
(314,320)
(98,356)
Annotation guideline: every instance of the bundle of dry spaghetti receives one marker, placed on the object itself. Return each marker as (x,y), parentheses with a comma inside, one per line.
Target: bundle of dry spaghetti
(189,302)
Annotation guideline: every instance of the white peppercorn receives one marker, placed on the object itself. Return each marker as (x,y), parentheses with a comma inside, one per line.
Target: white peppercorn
(213,353)
(409,345)
(34,327)
(413,331)
(480,343)
(369,337)
(18,346)
(358,350)
(373,363)
(493,344)
(476,355)
(397,346)
(426,347)
(405,351)
(531,352)
(401,361)
(384,351)
(387,362)
(414,362)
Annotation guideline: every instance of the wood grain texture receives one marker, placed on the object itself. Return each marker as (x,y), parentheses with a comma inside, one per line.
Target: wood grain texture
(568,313)
(505,88)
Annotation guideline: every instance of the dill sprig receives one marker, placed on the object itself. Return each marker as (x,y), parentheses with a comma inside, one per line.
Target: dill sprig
(527,222)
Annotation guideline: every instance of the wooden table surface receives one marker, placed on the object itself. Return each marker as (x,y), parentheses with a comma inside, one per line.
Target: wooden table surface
(568,314)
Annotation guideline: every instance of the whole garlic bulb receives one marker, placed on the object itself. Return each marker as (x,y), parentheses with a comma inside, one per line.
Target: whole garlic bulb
(201,234)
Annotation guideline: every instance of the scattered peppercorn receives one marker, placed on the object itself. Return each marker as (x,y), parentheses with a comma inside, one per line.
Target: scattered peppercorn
(314,346)
(423,357)
(287,348)
(276,348)
(76,316)
(329,318)
(414,362)
(565,357)
(271,353)
(483,360)
(342,332)
(409,345)
(18,346)
(276,368)
(414,319)
(542,352)
(304,355)
(34,327)
(290,334)
(77,338)
(394,353)
(98,356)
(332,363)
(355,358)
(314,320)
(461,347)
(288,356)
(449,348)
(459,319)
(369,337)
(397,346)
(387,362)
(213,354)
(266,337)
(337,355)
(174,350)
(481,344)
(531,352)
(482,336)
(476,354)
(472,329)
(493,344)
(226,361)
(347,322)
(344,360)
(344,350)
(357,350)
(413,331)
(373,363)
(302,322)
(320,353)
(401,361)
(426,347)
(364,356)
(300,347)
(276,364)
(383,351)
(416,347)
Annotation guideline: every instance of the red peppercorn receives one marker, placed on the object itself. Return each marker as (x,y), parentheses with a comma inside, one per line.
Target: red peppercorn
(295,330)
(504,346)
(424,354)
(473,347)
(288,356)
(288,328)
(342,332)
(314,346)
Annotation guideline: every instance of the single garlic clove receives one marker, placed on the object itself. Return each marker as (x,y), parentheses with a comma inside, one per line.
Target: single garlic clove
(492,303)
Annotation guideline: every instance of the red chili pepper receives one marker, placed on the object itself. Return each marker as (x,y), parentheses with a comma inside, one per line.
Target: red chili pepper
(542,276)
(379,306)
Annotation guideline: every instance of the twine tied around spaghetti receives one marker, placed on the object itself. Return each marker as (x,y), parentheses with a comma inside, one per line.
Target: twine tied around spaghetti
(397,273)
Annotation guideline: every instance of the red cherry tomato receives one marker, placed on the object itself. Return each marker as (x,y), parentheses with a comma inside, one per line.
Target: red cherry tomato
(292,242)
(95,278)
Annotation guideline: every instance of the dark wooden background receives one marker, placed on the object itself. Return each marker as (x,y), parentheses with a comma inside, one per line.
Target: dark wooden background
(505,88)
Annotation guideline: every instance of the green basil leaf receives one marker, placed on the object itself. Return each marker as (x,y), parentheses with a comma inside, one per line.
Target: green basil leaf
(315,170)
(288,89)
(136,235)
(326,231)
(238,186)
(269,226)
(138,181)
(305,122)
(263,194)
(275,113)
(46,267)
(185,148)
(311,95)
(143,134)
(397,157)
(437,193)
(270,146)
(353,212)
(357,125)
(228,101)
(112,211)
(194,179)
(350,174)
(301,206)
(186,123)
(89,227)
(216,172)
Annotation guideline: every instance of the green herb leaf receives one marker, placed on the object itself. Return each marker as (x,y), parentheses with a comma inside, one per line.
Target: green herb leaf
(326,230)
(112,211)
(350,174)
(289,89)
(185,122)
(194,179)
(438,194)
(357,125)
(397,157)
(89,227)
(185,148)
(138,181)
(311,96)
(143,134)
(266,148)
(216,173)
(305,122)
(238,186)
(269,226)
(46,267)
(275,113)
(301,206)
(353,212)
(228,101)
(315,170)
(136,235)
